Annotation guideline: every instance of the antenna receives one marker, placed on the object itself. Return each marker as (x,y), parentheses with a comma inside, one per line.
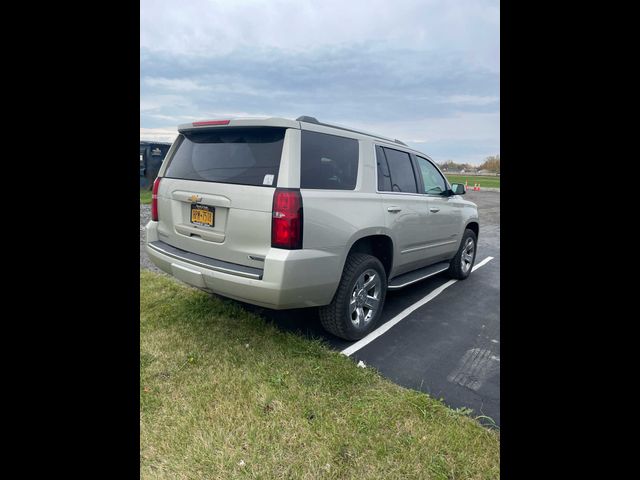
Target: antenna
(305,118)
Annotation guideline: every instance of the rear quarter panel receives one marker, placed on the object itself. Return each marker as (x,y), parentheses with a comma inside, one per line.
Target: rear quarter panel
(335,219)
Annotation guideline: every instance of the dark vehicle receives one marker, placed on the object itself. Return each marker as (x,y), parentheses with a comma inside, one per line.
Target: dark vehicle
(151,156)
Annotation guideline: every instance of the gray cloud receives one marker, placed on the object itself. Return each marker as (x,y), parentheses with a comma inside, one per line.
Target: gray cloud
(424,71)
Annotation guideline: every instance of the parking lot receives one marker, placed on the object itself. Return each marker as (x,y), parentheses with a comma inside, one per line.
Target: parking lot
(445,335)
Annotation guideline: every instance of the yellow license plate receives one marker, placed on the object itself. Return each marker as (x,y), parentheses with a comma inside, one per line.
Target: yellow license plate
(202,215)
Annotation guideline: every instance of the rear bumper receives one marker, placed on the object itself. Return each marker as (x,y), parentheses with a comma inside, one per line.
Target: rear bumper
(290,278)
(205,262)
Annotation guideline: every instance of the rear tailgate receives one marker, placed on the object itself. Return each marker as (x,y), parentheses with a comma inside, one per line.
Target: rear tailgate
(216,194)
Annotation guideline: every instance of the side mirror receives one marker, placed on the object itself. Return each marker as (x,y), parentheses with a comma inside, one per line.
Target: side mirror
(458,189)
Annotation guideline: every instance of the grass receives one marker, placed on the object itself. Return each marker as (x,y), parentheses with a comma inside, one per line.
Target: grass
(484,181)
(224,394)
(145,195)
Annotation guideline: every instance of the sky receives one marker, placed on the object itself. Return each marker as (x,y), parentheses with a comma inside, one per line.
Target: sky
(423,71)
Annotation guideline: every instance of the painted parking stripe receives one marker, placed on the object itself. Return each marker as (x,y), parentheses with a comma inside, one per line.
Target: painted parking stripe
(406,312)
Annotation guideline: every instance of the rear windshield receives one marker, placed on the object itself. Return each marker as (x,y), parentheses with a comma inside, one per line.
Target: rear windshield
(245,156)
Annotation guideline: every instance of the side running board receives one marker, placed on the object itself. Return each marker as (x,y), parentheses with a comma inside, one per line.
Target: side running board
(412,277)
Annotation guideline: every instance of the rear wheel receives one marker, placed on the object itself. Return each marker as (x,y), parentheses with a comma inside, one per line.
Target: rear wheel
(462,263)
(357,304)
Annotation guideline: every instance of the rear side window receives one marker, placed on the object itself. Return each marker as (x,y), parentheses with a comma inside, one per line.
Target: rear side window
(245,156)
(397,175)
(328,162)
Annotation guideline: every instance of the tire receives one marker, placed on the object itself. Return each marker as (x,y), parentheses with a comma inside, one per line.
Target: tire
(458,268)
(349,301)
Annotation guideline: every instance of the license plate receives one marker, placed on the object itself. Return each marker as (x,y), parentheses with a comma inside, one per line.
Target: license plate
(202,215)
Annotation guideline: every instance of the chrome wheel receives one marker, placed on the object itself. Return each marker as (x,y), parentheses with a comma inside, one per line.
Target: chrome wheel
(467,254)
(365,298)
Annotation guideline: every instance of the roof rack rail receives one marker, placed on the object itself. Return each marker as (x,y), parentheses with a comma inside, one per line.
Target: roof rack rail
(308,119)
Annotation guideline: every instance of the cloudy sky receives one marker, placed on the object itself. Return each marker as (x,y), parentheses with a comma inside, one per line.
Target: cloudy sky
(424,71)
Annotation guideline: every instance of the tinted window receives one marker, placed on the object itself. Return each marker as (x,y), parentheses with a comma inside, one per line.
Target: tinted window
(401,173)
(159,151)
(328,162)
(433,181)
(384,178)
(246,156)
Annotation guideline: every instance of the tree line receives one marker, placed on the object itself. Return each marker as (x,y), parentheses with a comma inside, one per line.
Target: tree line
(491,164)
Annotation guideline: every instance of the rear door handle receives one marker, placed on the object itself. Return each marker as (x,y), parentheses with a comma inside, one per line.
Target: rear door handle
(394,209)
(434,209)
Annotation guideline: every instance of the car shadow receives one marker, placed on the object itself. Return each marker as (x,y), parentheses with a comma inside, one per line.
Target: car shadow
(301,321)
(306,321)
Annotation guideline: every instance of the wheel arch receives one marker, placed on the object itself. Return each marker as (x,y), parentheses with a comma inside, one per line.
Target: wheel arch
(474,226)
(377,244)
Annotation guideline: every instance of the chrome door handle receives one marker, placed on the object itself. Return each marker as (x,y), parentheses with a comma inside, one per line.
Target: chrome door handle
(394,209)
(434,209)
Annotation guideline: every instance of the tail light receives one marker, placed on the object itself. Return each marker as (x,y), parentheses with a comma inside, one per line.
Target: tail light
(154,200)
(286,222)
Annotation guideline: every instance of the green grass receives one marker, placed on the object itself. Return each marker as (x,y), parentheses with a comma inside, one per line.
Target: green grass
(145,195)
(484,181)
(223,394)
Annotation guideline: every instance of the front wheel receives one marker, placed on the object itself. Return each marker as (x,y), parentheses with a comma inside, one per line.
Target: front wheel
(357,304)
(462,263)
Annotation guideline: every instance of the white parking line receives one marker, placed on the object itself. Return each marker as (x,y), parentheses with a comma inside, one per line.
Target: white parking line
(406,312)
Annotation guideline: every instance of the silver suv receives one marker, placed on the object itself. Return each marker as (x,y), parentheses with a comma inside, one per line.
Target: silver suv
(289,214)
